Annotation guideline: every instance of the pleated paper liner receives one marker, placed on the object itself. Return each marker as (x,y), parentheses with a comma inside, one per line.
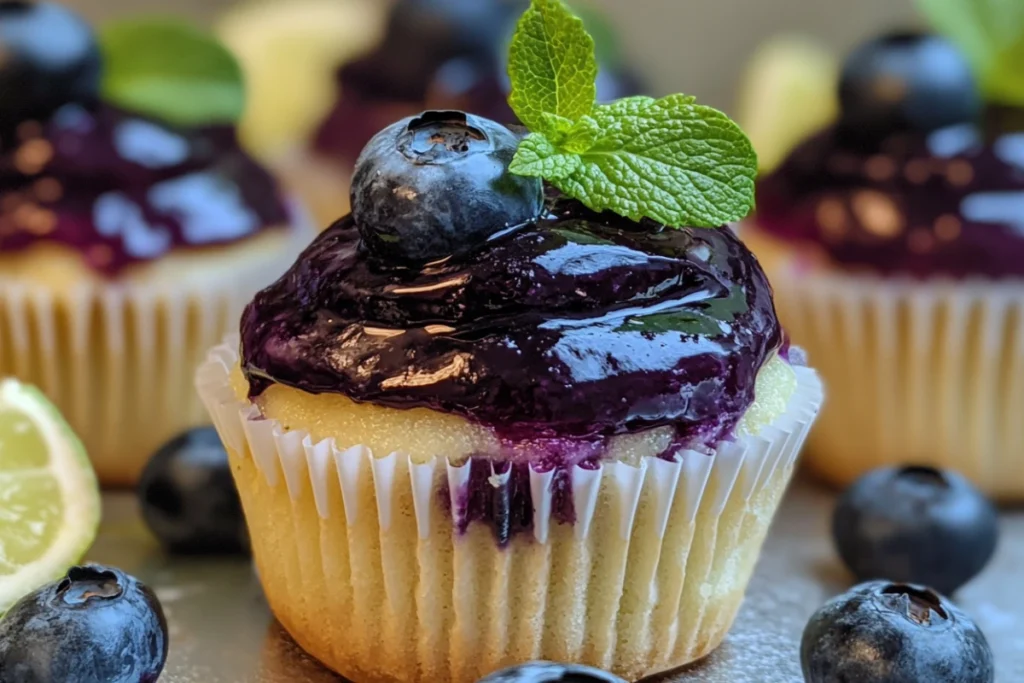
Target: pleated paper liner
(367,559)
(117,359)
(927,372)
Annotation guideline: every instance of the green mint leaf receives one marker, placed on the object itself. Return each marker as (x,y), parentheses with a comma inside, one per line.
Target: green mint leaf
(538,157)
(582,136)
(991,34)
(551,65)
(171,71)
(555,127)
(669,159)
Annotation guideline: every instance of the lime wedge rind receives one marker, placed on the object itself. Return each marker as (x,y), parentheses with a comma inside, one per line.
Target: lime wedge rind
(74,482)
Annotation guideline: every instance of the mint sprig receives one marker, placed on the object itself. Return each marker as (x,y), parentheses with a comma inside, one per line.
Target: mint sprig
(668,159)
(991,35)
(170,70)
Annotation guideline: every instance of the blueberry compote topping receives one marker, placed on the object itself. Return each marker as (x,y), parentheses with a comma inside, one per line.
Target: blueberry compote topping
(122,189)
(578,324)
(911,180)
(48,58)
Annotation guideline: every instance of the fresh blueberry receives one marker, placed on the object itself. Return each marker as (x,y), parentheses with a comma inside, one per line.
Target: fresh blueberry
(436,184)
(915,524)
(188,496)
(881,632)
(95,624)
(50,58)
(548,672)
(907,81)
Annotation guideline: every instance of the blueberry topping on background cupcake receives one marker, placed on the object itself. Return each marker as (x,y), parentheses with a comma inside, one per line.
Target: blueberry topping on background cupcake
(125,176)
(51,58)
(907,81)
(487,397)
(443,54)
(919,175)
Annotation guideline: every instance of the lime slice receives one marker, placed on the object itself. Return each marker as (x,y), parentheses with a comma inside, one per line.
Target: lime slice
(788,93)
(289,52)
(49,498)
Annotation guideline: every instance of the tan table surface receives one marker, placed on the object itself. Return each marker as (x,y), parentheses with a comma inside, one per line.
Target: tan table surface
(222,631)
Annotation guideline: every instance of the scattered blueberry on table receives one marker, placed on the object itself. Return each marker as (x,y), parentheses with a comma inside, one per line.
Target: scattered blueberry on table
(917,525)
(550,672)
(95,624)
(437,184)
(882,632)
(188,497)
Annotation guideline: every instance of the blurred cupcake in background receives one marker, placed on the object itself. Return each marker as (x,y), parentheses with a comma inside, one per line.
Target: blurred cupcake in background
(132,225)
(894,238)
(424,54)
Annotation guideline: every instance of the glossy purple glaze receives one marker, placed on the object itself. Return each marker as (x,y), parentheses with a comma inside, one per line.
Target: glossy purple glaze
(577,327)
(122,189)
(946,204)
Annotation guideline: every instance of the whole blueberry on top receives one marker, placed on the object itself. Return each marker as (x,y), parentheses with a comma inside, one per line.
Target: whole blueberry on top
(880,632)
(915,524)
(95,624)
(437,184)
(188,497)
(549,672)
(49,57)
(907,81)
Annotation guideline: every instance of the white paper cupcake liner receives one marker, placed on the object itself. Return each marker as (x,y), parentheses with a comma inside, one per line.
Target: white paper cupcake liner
(925,372)
(116,358)
(647,578)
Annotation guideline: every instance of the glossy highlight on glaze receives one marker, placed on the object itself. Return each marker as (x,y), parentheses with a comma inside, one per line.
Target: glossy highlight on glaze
(949,203)
(577,325)
(123,189)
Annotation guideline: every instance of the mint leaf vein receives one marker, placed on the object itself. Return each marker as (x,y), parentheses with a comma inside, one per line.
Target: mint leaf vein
(551,65)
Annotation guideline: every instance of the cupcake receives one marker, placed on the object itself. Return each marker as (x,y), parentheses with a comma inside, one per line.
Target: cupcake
(432,54)
(128,243)
(894,241)
(480,423)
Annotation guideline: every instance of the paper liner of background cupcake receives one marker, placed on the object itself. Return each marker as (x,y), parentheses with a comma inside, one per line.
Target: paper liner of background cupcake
(373,558)
(110,353)
(925,372)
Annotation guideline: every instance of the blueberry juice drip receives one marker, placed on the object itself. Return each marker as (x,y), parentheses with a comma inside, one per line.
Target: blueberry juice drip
(945,203)
(500,496)
(122,189)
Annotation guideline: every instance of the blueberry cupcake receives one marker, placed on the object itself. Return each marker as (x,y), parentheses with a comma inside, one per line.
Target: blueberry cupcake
(129,242)
(894,241)
(431,54)
(479,423)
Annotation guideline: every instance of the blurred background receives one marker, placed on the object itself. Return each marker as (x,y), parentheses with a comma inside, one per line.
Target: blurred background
(694,46)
